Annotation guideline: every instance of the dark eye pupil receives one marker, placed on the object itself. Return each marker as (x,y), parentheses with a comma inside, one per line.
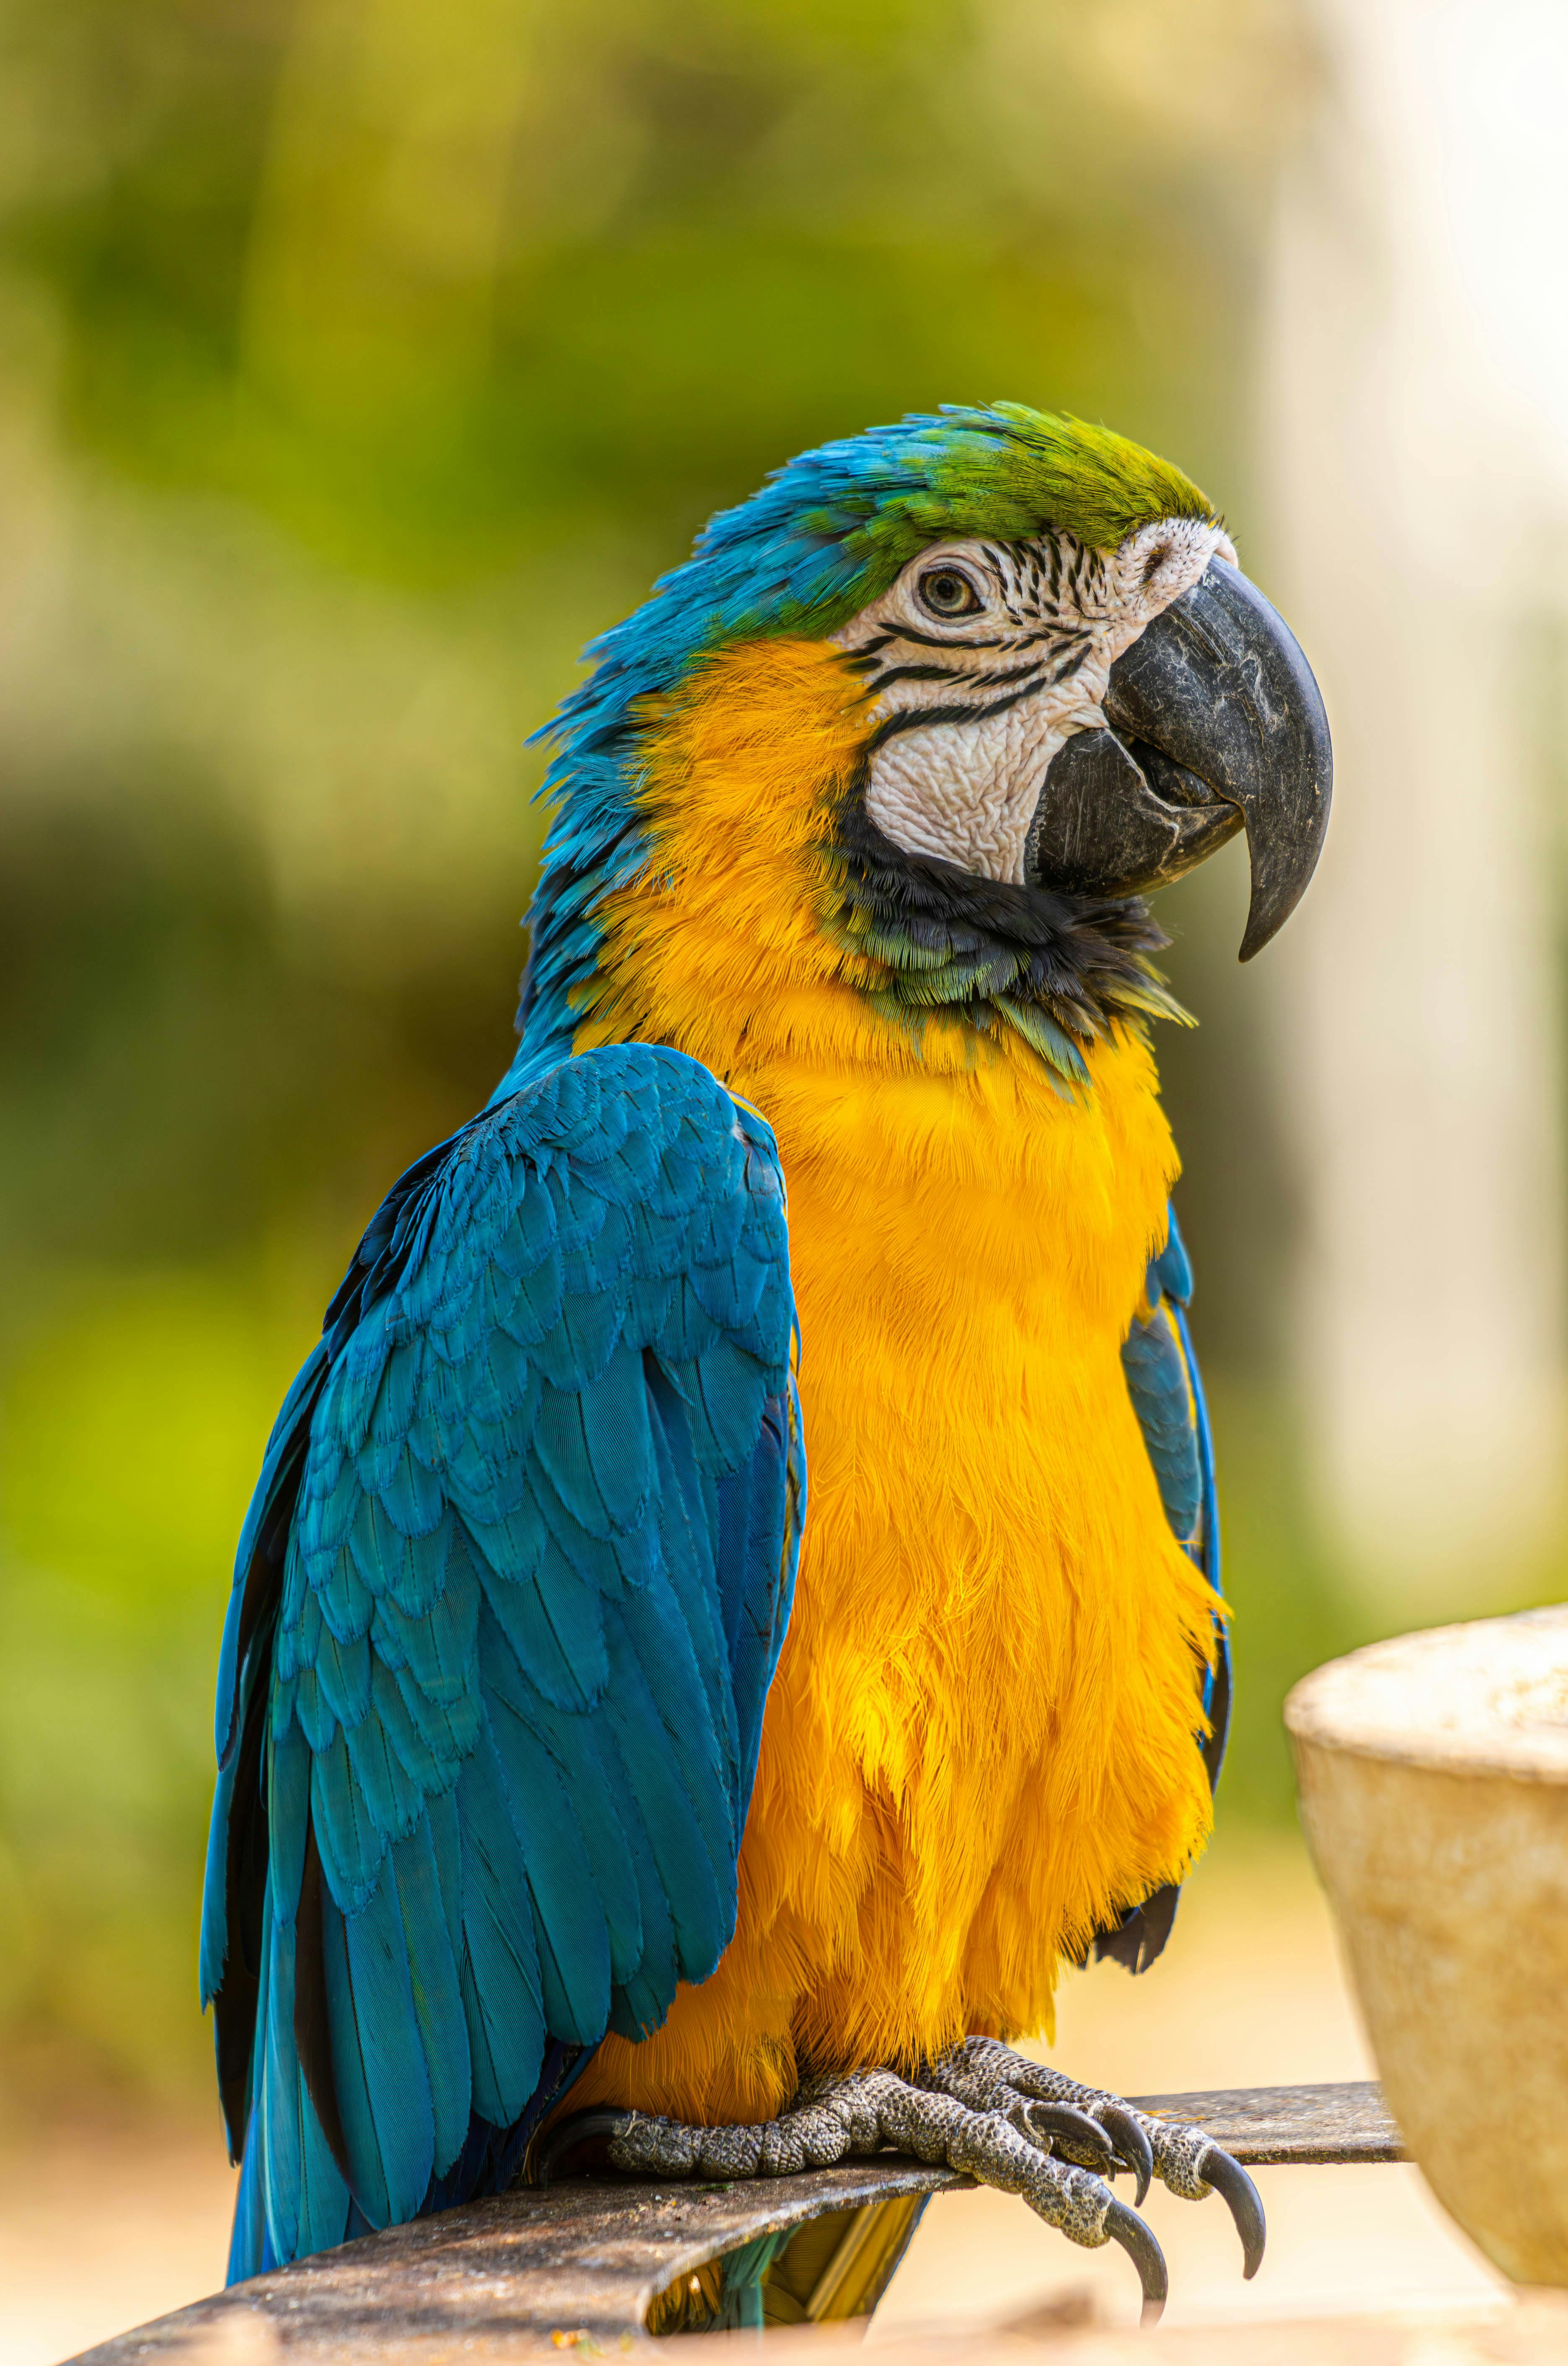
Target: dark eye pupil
(948,591)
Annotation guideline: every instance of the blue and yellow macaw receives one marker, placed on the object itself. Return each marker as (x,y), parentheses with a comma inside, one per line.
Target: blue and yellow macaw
(583,1795)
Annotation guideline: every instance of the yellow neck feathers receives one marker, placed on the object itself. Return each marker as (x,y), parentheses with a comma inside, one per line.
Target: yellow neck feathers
(719,944)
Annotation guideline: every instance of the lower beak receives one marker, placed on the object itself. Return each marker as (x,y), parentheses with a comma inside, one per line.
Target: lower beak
(1215,725)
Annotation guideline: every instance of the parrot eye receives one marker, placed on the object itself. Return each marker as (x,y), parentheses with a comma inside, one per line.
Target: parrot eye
(945,592)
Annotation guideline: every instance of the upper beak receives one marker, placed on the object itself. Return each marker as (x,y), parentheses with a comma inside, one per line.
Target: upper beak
(1215,725)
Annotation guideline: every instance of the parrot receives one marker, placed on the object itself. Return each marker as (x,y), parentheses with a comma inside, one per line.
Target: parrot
(730,1610)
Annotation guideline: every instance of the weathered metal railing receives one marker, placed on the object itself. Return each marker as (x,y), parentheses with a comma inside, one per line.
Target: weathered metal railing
(574,2267)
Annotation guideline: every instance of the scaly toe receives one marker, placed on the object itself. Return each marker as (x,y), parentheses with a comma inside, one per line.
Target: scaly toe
(986,2075)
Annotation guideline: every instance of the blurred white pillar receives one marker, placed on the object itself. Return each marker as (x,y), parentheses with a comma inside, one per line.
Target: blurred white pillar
(1417,415)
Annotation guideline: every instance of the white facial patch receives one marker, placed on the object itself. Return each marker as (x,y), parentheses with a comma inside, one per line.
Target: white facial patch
(980,660)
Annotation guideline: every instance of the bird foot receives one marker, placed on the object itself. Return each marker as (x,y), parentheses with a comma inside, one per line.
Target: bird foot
(982,2109)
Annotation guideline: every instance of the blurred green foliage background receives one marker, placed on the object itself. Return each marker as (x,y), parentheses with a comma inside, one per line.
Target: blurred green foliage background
(358,360)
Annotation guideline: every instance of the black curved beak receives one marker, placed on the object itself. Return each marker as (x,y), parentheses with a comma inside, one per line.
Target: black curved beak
(1215,725)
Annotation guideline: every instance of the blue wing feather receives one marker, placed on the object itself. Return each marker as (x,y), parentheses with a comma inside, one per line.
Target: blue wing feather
(1167,1391)
(509,1600)
(1157,1382)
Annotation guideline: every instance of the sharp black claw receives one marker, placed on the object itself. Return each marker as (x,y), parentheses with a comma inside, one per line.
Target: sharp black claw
(1242,2200)
(1066,2120)
(1125,2226)
(1132,2144)
(568,2135)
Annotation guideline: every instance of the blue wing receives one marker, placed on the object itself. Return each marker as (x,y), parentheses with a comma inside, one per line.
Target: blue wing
(1167,1397)
(507,1606)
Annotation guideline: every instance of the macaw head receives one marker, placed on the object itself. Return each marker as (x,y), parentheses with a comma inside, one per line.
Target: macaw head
(1060,692)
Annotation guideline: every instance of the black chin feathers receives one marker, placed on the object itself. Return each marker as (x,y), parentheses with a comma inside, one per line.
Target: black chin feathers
(1059,969)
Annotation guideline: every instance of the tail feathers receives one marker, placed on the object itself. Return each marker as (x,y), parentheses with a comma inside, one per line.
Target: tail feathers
(487,2163)
(252,2248)
(248,2253)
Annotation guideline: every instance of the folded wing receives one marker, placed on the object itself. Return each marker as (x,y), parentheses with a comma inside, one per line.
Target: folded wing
(506,1610)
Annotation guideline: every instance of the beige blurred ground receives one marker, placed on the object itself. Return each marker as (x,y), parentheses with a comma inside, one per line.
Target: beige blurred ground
(1532,2332)
(101,2230)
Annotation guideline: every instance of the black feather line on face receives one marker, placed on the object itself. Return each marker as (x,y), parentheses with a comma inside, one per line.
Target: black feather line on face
(1082,960)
